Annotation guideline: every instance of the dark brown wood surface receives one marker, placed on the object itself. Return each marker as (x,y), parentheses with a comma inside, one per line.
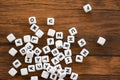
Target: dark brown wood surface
(103,63)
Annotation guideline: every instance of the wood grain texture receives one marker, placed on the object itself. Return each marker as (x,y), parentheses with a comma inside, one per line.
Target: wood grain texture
(103,63)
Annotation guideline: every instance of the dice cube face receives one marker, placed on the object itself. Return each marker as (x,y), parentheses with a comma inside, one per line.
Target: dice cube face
(34,40)
(34,27)
(73,31)
(31,68)
(55,60)
(50,41)
(17,63)
(49,69)
(18,42)
(11,37)
(12,51)
(45,58)
(87,8)
(34,78)
(38,59)
(46,49)
(24,71)
(71,39)
(55,52)
(30,53)
(28,60)
(37,51)
(74,76)
(59,44)
(84,52)
(50,21)
(82,42)
(101,41)
(61,56)
(26,38)
(66,45)
(68,60)
(62,73)
(68,52)
(53,76)
(58,67)
(59,35)
(39,33)
(32,20)
(29,46)
(68,70)
(12,72)
(45,75)
(45,65)
(22,51)
(79,58)
(39,66)
(51,32)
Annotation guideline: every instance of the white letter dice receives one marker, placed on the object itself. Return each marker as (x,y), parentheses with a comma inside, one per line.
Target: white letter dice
(12,51)
(84,52)
(50,21)
(87,8)
(24,71)
(101,41)
(82,42)
(12,72)
(32,20)
(16,63)
(73,31)
(11,37)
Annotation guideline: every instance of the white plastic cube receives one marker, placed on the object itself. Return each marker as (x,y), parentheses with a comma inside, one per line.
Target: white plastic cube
(24,71)
(53,76)
(61,56)
(50,21)
(38,59)
(68,52)
(18,42)
(31,68)
(82,42)
(12,51)
(45,58)
(51,32)
(68,70)
(70,39)
(73,31)
(28,59)
(101,41)
(59,35)
(68,60)
(62,74)
(84,52)
(34,40)
(22,51)
(55,52)
(17,63)
(29,46)
(79,58)
(26,38)
(74,76)
(59,44)
(34,78)
(50,41)
(30,53)
(66,45)
(32,20)
(37,51)
(46,49)
(11,37)
(39,33)
(55,60)
(39,66)
(45,75)
(34,27)
(51,69)
(45,65)
(12,72)
(58,67)
(87,8)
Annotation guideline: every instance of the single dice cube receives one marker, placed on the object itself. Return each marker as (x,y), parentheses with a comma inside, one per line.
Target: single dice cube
(45,74)
(38,59)
(51,32)
(12,51)
(59,35)
(101,41)
(45,65)
(68,70)
(58,67)
(68,52)
(12,72)
(24,71)
(61,56)
(28,59)
(82,42)
(79,58)
(32,20)
(22,51)
(30,53)
(55,60)
(39,66)
(39,33)
(50,41)
(37,51)
(46,49)
(17,63)
(84,52)
(59,44)
(68,60)
(27,38)
(62,74)
(45,58)
(71,39)
(50,21)
(74,76)
(55,52)
(66,45)
(87,8)
(18,42)
(51,69)
(73,31)
(29,46)
(34,78)
(11,37)
(31,68)
(34,27)
(34,40)
(53,76)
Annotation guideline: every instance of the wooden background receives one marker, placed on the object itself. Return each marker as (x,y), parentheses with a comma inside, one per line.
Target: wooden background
(103,63)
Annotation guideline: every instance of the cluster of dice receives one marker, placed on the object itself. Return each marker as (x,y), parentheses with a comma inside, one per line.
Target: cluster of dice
(54,70)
